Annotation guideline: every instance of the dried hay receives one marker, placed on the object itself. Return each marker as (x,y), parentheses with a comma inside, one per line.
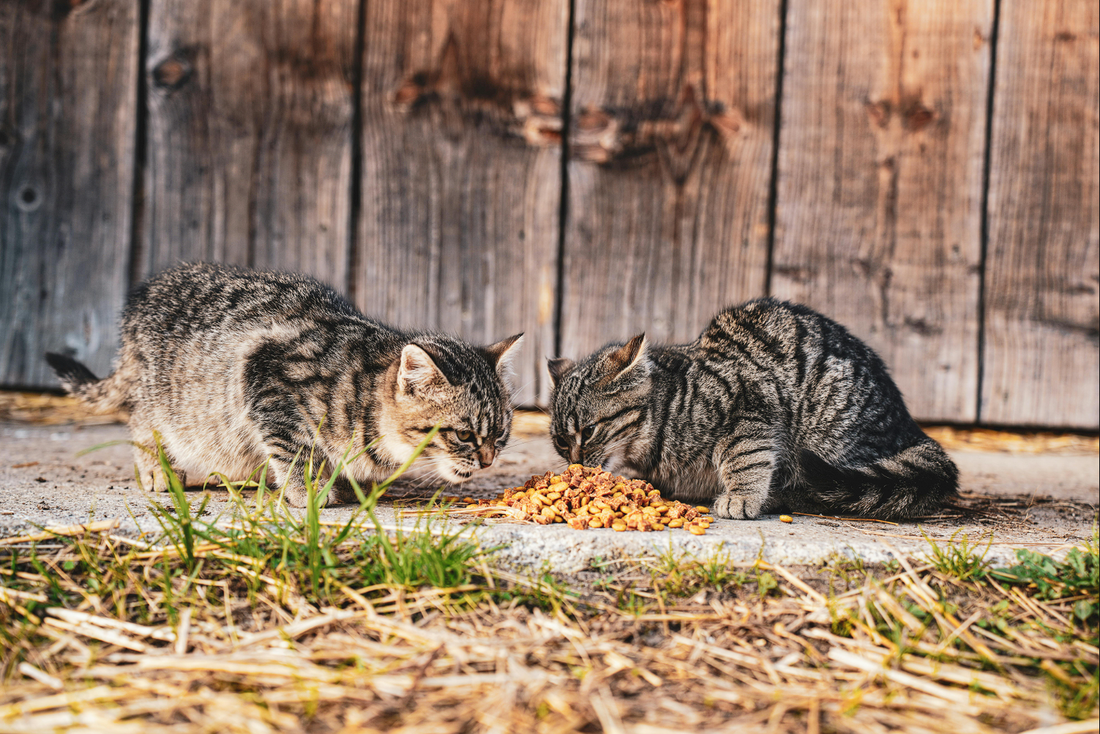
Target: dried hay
(955,438)
(50,410)
(661,645)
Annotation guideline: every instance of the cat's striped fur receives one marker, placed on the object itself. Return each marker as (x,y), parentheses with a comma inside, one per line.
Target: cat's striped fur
(232,366)
(773,406)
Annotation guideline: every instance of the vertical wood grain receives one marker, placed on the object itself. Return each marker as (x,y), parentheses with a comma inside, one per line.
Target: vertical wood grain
(461,157)
(1042,352)
(878,217)
(248,155)
(68,93)
(673,109)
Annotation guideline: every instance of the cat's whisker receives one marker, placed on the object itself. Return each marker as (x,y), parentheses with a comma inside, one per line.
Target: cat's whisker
(524,386)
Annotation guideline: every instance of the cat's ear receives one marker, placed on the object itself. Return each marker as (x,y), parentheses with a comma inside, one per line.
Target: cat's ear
(559,368)
(418,371)
(503,352)
(626,357)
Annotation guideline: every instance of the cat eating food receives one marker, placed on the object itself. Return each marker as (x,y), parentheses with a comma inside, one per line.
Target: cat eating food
(773,406)
(232,367)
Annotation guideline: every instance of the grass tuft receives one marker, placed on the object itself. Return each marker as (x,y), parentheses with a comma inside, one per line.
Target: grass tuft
(959,559)
(1077,575)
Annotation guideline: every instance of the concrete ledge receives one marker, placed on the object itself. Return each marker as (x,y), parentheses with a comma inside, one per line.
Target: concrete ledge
(43,482)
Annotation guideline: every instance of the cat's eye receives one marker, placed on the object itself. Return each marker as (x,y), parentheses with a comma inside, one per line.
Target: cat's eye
(588,432)
(467,436)
(561,443)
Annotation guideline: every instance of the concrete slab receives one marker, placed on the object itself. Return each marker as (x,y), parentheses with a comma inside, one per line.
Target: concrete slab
(1046,502)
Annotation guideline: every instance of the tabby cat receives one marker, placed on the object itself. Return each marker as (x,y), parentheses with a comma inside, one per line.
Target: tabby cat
(773,407)
(231,367)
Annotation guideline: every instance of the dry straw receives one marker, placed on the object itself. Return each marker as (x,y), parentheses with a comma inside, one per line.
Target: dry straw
(666,644)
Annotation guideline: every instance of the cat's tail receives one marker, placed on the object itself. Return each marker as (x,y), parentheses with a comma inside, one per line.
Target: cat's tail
(101,396)
(913,483)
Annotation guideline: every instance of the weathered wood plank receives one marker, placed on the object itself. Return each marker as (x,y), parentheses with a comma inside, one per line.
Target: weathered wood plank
(461,170)
(248,154)
(1042,360)
(673,110)
(68,97)
(878,216)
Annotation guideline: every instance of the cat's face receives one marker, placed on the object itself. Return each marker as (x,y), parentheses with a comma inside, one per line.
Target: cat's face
(598,407)
(462,390)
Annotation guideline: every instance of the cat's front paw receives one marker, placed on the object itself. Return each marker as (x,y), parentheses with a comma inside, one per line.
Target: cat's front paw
(158,482)
(342,493)
(296,495)
(738,506)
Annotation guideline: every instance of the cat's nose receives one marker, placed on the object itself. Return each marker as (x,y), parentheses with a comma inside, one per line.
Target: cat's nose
(485,456)
(576,456)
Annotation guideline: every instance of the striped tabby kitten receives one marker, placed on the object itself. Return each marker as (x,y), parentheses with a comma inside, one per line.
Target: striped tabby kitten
(232,366)
(773,406)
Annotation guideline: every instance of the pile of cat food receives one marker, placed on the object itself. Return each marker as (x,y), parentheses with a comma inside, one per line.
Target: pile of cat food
(587,497)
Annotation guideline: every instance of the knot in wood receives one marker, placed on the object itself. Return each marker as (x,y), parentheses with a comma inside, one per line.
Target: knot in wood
(596,136)
(172,73)
(539,117)
(407,93)
(879,112)
(916,116)
(593,120)
(728,123)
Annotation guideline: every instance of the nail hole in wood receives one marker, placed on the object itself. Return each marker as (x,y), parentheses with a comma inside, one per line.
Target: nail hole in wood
(28,199)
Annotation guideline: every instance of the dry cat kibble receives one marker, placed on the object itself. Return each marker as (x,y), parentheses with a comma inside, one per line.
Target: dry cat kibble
(587,497)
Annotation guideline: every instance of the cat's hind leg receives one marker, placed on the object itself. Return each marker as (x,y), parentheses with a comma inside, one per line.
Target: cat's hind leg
(146,462)
(147,467)
(745,460)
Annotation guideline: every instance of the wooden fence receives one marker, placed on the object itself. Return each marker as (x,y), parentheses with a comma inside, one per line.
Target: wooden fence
(924,171)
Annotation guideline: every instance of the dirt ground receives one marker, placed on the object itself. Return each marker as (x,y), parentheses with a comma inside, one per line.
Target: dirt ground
(1037,491)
